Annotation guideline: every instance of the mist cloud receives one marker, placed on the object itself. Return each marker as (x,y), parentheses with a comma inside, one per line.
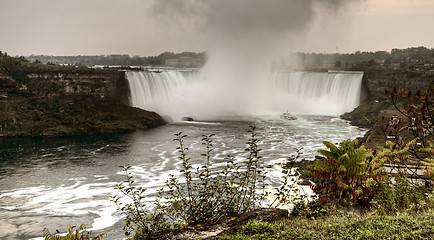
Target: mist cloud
(243,16)
(248,26)
(244,37)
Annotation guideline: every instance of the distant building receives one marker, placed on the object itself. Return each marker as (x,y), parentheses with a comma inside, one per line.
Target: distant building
(329,65)
(172,62)
(187,62)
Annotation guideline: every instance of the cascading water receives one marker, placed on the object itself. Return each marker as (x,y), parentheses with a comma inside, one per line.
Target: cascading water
(53,182)
(319,93)
(181,93)
(150,88)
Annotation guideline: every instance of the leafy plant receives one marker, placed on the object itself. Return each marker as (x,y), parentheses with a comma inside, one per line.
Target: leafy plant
(137,213)
(429,159)
(74,233)
(208,193)
(311,210)
(399,195)
(289,191)
(201,194)
(346,172)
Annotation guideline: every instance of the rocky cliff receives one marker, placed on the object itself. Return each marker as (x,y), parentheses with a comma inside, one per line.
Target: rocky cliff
(97,83)
(68,102)
(376,81)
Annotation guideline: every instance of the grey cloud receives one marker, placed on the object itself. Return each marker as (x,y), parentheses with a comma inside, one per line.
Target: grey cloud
(244,15)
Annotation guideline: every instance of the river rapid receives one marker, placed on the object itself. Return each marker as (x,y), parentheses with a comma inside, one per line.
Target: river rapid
(54,182)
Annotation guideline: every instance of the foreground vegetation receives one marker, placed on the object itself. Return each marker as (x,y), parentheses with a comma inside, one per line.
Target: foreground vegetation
(357,197)
(402,225)
(201,194)
(350,182)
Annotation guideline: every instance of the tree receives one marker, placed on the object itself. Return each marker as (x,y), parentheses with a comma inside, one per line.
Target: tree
(415,124)
(387,62)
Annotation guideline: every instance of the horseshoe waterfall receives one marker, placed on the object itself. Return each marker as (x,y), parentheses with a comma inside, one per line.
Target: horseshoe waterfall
(179,94)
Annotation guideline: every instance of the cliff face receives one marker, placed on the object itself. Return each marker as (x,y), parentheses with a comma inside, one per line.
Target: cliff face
(100,84)
(69,103)
(376,81)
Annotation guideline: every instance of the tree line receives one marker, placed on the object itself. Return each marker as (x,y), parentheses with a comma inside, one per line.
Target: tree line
(118,59)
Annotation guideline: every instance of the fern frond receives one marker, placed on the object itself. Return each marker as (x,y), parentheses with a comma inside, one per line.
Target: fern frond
(331,146)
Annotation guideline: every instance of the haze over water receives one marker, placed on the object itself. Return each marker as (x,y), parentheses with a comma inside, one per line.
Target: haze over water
(68,180)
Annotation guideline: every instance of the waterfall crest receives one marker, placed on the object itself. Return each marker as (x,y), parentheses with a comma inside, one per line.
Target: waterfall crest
(150,89)
(188,93)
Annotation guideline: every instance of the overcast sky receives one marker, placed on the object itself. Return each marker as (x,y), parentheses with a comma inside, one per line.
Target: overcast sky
(150,27)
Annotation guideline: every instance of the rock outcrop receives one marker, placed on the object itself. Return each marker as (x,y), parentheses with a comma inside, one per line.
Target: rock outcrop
(376,81)
(55,103)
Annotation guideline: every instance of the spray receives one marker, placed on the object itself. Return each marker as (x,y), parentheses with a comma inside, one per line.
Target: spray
(244,37)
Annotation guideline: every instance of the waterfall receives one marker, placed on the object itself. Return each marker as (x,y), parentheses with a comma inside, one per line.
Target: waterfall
(324,93)
(149,89)
(188,93)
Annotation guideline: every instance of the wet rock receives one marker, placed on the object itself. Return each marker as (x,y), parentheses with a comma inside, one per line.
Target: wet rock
(366,114)
(188,119)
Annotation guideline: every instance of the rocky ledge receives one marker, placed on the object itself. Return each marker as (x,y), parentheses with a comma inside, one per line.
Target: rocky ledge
(71,115)
(366,114)
(50,100)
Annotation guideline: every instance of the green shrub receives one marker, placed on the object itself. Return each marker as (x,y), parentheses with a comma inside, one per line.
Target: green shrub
(209,194)
(346,173)
(311,210)
(204,194)
(74,233)
(390,197)
(137,215)
(415,122)
(289,192)
(428,159)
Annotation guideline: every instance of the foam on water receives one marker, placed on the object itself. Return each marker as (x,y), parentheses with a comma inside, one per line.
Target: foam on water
(77,188)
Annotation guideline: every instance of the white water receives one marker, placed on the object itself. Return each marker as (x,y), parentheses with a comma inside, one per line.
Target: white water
(194,94)
(319,93)
(53,182)
(150,88)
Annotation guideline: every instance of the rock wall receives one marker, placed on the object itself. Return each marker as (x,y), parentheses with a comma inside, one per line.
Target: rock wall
(376,81)
(98,83)
(69,103)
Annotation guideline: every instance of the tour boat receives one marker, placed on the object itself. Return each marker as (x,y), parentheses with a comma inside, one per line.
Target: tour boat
(288,116)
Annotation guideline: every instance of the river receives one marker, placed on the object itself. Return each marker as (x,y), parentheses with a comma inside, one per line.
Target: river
(53,182)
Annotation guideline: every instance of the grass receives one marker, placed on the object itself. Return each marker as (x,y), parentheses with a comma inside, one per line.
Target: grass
(404,225)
